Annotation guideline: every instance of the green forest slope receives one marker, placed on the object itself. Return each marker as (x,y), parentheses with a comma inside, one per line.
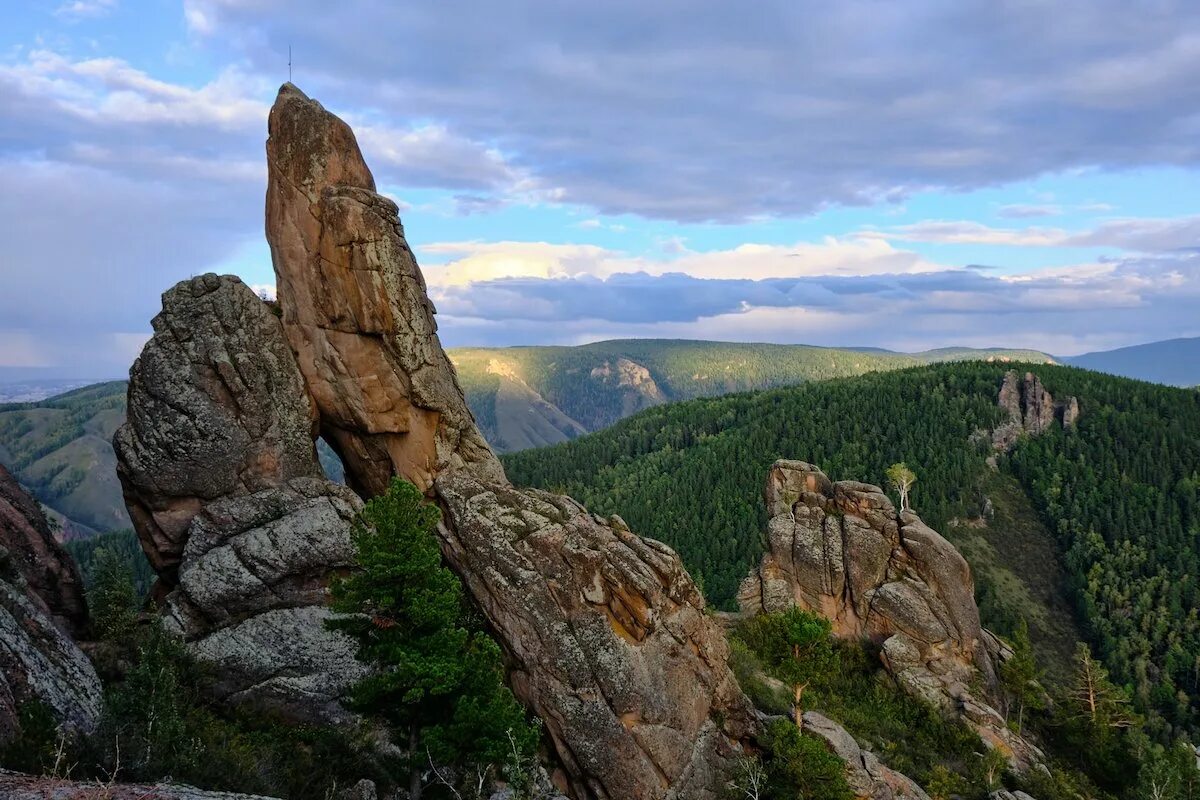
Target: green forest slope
(1111,505)
(534,396)
(61,449)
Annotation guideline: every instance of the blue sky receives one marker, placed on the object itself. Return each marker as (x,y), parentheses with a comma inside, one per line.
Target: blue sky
(863,173)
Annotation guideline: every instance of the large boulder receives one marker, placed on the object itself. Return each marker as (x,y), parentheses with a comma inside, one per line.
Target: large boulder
(842,550)
(356,310)
(38,558)
(223,485)
(252,597)
(606,632)
(39,604)
(216,408)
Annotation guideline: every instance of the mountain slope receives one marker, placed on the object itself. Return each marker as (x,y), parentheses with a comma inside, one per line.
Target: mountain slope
(1175,362)
(1109,509)
(61,449)
(533,396)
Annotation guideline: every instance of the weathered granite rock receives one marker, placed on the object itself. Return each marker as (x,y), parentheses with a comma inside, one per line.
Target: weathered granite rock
(15,786)
(223,484)
(252,597)
(1004,794)
(356,311)
(841,550)
(39,661)
(1030,408)
(216,408)
(608,637)
(41,561)
(868,778)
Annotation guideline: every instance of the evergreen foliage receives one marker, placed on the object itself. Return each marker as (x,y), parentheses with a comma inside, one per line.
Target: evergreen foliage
(437,678)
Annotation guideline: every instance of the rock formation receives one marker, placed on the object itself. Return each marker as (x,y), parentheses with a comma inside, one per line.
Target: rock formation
(867,776)
(40,602)
(841,550)
(216,408)
(608,637)
(356,311)
(1030,408)
(223,486)
(42,563)
(605,631)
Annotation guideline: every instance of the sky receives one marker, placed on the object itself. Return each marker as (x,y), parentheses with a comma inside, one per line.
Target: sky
(907,175)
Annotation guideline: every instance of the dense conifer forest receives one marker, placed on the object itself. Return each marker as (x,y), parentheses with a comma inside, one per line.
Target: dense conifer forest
(1119,492)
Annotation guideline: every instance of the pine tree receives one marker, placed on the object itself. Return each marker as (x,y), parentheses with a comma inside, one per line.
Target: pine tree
(436,678)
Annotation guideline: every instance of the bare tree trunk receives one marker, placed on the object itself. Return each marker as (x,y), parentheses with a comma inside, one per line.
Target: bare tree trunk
(414,775)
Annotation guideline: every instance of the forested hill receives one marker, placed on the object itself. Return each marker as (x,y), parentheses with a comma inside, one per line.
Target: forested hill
(533,396)
(61,449)
(1116,499)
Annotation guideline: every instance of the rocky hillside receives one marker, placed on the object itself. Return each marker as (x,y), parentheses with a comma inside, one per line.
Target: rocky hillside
(526,397)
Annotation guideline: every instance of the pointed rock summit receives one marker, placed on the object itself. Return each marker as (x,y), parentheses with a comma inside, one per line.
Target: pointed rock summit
(355,309)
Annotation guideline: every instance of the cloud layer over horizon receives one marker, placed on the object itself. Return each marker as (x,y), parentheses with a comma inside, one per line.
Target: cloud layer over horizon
(906,176)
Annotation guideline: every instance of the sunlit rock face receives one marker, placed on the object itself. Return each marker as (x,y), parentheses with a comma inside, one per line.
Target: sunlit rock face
(840,549)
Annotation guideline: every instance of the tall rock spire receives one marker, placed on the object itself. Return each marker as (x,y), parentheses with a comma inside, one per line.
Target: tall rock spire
(356,311)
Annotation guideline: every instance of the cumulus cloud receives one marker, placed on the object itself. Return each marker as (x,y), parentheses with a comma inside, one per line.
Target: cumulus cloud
(706,112)
(78,9)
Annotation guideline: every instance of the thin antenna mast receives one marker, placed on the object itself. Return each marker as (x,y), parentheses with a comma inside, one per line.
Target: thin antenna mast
(289,62)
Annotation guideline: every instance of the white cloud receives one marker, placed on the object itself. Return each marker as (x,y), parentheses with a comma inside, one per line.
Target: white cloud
(461,263)
(1131,234)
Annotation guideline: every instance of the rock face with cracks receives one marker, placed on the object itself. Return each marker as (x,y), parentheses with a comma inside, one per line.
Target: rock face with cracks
(40,602)
(223,485)
(216,408)
(44,565)
(356,311)
(841,550)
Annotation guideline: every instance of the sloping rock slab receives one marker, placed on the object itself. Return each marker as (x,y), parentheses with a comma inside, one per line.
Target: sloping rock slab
(608,638)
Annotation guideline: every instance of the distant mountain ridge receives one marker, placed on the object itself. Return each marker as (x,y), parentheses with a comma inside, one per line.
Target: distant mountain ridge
(526,397)
(1174,362)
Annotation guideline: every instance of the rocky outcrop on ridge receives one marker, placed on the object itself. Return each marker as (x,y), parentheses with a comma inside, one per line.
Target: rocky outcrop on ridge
(356,311)
(840,549)
(605,631)
(1031,409)
(867,776)
(39,559)
(223,486)
(39,604)
(608,637)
